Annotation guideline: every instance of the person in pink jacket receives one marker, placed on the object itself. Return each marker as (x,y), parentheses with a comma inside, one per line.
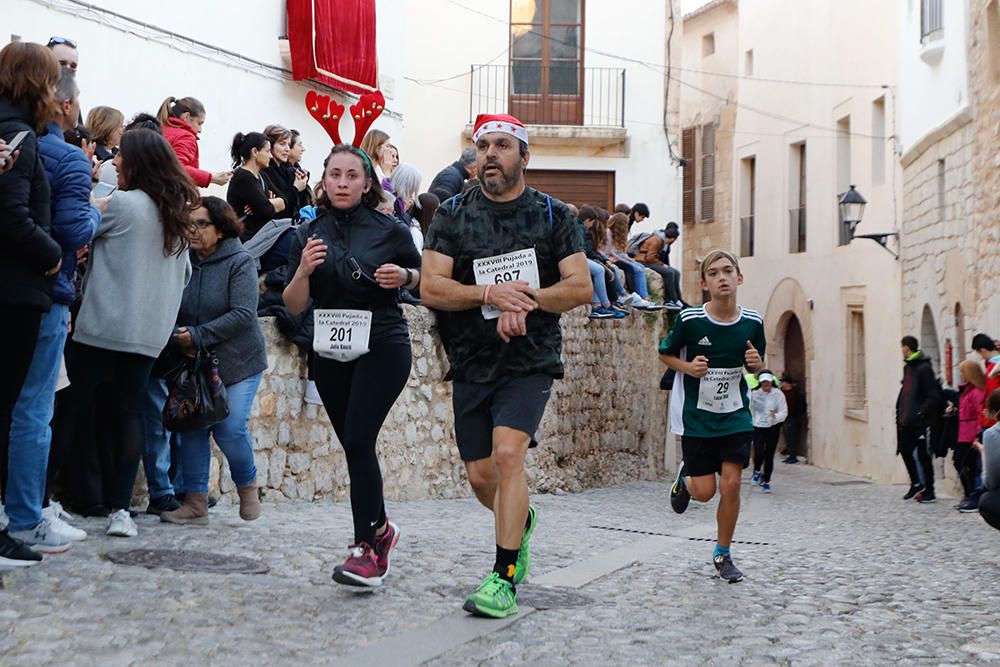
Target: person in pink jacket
(970,407)
(182,120)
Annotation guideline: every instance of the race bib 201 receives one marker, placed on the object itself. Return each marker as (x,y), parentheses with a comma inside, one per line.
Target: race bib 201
(341,335)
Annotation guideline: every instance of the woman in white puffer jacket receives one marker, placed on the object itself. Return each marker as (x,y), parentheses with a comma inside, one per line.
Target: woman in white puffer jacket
(769,409)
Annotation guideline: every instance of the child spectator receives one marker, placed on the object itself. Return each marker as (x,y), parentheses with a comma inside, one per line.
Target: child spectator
(970,409)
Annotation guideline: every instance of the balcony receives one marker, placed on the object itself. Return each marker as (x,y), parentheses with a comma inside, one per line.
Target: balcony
(564,104)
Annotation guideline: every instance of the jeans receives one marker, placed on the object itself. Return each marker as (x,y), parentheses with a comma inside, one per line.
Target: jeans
(30,433)
(600,289)
(156,446)
(18,339)
(635,275)
(231,435)
(913,448)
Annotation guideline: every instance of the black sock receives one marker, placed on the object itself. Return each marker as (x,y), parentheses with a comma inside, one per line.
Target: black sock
(506,562)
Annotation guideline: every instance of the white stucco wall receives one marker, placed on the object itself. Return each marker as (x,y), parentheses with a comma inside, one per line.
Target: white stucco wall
(808,44)
(124,68)
(932,89)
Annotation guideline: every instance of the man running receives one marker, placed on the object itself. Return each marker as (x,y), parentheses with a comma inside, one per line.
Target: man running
(709,346)
(505,260)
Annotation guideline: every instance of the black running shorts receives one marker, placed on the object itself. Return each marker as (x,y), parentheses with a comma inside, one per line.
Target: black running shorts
(517,403)
(704,456)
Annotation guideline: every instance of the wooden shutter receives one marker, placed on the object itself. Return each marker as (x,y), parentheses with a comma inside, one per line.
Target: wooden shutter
(708,173)
(575,187)
(688,153)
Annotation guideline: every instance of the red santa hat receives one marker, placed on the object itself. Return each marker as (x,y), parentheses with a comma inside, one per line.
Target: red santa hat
(499,122)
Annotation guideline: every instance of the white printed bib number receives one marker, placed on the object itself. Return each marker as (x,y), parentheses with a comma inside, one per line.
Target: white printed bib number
(719,390)
(520,265)
(341,335)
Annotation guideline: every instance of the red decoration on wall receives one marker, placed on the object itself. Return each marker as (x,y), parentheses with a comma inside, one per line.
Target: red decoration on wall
(333,41)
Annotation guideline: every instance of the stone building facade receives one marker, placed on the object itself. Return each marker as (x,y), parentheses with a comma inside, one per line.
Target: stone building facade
(605,423)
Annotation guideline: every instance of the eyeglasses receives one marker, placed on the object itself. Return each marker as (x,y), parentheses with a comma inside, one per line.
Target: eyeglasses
(201,223)
(53,41)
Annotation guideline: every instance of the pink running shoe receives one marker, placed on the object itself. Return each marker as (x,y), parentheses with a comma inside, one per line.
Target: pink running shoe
(385,544)
(360,569)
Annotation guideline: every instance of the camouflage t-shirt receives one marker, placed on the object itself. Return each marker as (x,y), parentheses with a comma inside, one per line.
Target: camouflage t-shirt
(469,227)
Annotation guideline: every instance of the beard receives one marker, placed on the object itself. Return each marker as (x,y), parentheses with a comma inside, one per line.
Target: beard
(501,183)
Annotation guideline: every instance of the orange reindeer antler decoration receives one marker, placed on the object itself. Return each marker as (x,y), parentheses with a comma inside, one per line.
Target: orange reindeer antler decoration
(329,113)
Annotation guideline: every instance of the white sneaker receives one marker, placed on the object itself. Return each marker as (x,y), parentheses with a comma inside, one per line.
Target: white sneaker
(42,538)
(122,525)
(312,394)
(56,516)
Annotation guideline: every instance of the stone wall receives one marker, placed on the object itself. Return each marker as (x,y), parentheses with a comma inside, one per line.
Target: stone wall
(605,424)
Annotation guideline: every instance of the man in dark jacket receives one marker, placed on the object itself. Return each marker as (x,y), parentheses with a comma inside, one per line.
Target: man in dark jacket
(450,180)
(74,222)
(916,407)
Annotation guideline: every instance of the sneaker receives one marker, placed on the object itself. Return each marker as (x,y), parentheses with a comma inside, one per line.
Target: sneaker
(495,598)
(57,516)
(617,313)
(673,305)
(914,490)
(524,553)
(679,495)
(643,304)
(312,394)
(926,496)
(385,544)
(968,506)
(4,520)
(13,552)
(42,539)
(724,566)
(765,487)
(755,480)
(791,459)
(122,525)
(600,313)
(360,568)
(167,503)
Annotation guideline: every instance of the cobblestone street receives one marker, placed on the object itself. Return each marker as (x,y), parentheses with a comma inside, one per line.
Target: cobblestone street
(838,571)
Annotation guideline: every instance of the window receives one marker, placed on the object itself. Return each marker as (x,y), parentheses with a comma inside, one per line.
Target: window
(878,141)
(707,44)
(941,204)
(748,176)
(855,393)
(843,173)
(748,63)
(688,152)
(546,47)
(930,20)
(708,173)
(797,199)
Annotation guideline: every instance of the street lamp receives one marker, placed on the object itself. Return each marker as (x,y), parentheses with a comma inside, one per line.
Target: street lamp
(852,209)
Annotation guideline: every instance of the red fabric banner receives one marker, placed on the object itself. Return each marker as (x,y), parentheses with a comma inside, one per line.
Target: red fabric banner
(333,41)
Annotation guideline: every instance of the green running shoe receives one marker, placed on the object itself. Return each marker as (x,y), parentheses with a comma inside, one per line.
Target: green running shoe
(495,598)
(524,554)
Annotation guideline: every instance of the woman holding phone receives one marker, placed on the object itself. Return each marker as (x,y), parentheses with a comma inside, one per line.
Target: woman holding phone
(182,120)
(29,257)
(351,262)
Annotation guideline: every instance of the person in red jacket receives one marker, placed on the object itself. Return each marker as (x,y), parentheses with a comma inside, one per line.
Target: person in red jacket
(986,348)
(182,120)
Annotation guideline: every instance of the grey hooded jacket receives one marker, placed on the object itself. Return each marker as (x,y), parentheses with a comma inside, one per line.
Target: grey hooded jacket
(219,308)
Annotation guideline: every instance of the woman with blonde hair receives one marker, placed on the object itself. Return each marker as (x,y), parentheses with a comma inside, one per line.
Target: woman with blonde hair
(106,124)
(616,242)
(970,407)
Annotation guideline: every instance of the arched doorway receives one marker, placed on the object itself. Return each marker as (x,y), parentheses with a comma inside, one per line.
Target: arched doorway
(794,345)
(929,339)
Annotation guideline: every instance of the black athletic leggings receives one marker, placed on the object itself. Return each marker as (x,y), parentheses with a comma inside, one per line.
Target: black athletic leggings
(357,396)
(965,458)
(765,442)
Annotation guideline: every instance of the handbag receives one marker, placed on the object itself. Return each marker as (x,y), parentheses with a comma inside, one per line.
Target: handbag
(196,397)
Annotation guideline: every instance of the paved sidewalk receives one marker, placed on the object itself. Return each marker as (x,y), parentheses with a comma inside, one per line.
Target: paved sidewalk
(838,571)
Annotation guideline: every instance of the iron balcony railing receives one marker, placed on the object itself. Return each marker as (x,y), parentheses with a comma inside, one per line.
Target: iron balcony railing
(797,230)
(930,19)
(562,93)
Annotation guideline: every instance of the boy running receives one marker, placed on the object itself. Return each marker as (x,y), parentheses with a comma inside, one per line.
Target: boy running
(709,346)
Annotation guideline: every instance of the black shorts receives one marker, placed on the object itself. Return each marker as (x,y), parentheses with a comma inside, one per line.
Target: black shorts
(704,456)
(516,403)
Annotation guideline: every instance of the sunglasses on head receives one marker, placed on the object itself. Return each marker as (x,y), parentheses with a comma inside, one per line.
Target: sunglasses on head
(53,41)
